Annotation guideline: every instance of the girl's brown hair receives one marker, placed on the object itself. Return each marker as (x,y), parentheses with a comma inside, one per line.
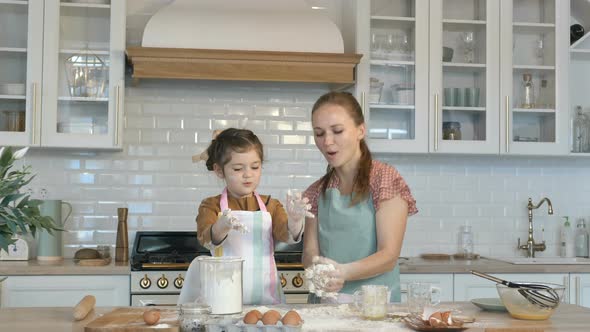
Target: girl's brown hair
(360,188)
(232,140)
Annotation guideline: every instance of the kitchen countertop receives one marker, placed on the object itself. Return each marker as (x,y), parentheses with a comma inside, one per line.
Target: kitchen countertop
(63,267)
(411,265)
(567,317)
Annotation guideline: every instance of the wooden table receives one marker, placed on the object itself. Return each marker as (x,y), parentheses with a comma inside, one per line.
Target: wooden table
(568,317)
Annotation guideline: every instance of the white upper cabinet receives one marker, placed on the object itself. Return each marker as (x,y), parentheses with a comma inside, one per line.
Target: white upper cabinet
(464,74)
(21,42)
(73,57)
(446,76)
(534,83)
(392,80)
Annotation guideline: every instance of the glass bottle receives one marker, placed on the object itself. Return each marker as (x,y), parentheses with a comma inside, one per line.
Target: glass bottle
(544,100)
(528,91)
(466,242)
(581,240)
(581,127)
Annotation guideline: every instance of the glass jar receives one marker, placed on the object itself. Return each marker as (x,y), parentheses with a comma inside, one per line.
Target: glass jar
(193,316)
(466,242)
(451,131)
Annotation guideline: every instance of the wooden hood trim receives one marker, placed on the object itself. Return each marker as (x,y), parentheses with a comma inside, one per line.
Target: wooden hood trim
(182,63)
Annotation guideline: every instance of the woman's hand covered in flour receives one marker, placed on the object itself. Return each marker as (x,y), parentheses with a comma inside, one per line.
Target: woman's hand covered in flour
(297,209)
(228,221)
(338,276)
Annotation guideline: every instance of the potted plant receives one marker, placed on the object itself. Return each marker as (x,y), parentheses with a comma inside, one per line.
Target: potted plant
(19,214)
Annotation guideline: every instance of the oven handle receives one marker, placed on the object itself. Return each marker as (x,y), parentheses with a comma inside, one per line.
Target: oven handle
(290,266)
(165,266)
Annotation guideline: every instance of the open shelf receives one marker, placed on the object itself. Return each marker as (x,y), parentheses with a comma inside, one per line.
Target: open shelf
(392,63)
(533,110)
(393,18)
(86,99)
(86,5)
(464,108)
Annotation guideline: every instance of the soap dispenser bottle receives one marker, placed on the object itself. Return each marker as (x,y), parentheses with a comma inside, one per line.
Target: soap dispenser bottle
(581,242)
(566,239)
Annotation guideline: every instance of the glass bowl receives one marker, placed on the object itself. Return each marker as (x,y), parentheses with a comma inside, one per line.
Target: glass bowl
(523,303)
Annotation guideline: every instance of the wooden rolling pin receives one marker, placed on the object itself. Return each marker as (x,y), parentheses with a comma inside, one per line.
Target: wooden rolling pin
(84,307)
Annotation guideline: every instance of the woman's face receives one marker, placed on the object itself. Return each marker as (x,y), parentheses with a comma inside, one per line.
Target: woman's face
(241,173)
(336,135)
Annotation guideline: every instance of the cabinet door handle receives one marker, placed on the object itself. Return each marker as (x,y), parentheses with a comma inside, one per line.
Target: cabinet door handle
(436,122)
(363,104)
(507,124)
(34,113)
(578,290)
(566,296)
(117,107)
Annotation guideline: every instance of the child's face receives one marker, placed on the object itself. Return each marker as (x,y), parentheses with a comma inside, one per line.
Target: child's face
(242,173)
(336,135)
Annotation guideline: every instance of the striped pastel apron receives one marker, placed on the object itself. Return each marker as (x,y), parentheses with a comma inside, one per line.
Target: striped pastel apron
(260,277)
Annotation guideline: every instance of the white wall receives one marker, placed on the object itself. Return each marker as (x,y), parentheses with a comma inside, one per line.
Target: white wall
(168,121)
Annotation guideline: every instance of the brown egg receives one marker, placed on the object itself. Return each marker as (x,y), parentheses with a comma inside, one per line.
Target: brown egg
(151,317)
(271,317)
(252,317)
(291,318)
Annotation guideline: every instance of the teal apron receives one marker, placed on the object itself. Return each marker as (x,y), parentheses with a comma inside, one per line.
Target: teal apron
(347,234)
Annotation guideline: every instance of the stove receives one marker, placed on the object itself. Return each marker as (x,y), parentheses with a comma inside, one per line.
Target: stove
(159,261)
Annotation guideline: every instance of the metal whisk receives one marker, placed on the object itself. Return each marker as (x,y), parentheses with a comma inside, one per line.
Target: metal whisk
(540,295)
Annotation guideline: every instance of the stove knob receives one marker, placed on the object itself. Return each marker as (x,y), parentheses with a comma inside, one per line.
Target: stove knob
(163,282)
(145,282)
(283,281)
(297,281)
(179,281)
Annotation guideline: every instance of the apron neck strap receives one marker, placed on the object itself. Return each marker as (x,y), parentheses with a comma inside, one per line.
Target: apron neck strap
(224,202)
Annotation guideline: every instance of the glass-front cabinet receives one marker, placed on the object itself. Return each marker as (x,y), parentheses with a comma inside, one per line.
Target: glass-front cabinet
(62,72)
(534,84)
(464,76)
(393,38)
(21,39)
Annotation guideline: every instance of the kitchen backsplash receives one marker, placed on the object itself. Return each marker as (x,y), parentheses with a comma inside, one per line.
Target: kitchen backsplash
(169,121)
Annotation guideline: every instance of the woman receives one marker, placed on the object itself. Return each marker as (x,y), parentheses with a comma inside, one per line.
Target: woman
(361,205)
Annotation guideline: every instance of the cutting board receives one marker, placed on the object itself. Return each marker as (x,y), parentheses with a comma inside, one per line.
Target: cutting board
(131,320)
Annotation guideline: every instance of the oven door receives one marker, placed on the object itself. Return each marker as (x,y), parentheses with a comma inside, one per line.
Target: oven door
(146,300)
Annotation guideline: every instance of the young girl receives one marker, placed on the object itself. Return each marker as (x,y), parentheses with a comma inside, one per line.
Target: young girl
(240,222)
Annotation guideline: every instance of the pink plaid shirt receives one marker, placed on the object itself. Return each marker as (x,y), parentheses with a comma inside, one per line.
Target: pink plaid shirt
(385,183)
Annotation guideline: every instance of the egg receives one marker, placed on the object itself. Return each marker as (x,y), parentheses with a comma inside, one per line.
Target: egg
(151,317)
(291,318)
(271,317)
(252,317)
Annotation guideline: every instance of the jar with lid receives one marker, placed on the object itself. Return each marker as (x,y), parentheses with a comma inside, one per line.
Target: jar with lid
(465,248)
(451,131)
(192,317)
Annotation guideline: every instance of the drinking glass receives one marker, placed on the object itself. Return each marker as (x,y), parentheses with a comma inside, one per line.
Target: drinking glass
(540,50)
(372,301)
(468,40)
(420,295)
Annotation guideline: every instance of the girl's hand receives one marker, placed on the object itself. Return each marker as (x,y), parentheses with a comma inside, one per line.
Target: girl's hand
(337,277)
(227,222)
(297,209)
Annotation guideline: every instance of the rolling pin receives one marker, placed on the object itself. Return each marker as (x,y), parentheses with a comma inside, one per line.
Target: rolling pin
(83,307)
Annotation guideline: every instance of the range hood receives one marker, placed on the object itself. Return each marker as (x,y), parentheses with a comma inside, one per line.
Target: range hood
(254,40)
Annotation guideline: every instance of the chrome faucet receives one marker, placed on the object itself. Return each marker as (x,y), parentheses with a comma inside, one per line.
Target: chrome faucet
(530,245)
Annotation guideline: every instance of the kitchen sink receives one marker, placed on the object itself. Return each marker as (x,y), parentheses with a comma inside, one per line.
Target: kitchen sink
(544,260)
